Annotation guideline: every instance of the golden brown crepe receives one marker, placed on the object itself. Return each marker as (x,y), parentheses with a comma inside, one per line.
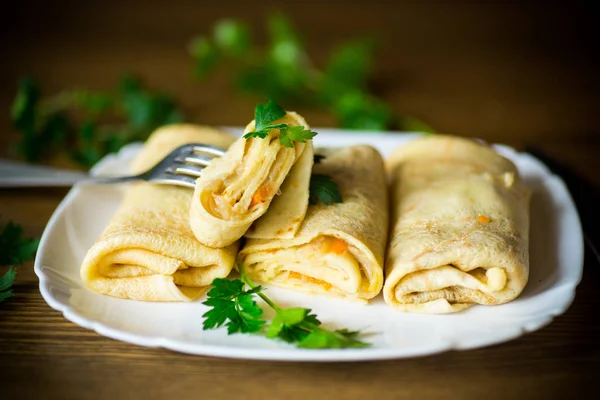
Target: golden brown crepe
(148,251)
(460,226)
(238,188)
(339,248)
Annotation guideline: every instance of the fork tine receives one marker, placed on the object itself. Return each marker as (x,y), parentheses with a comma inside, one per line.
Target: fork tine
(197,160)
(190,170)
(179,180)
(184,150)
(207,149)
(183,165)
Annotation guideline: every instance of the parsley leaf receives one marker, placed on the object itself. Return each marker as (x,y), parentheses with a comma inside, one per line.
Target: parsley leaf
(235,307)
(318,158)
(264,114)
(323,190)
(256,134)
(6,282)
(286,318)
(295,133)
(14,248)
(222,309)
(293,324)
(323,339)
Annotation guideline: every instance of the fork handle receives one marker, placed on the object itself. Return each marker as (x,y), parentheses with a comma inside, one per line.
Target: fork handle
(15,175)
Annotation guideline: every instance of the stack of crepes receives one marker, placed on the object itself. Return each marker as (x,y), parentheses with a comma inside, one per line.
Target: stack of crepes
(460,226)
(460,223)
(339,248)
(148,251)
(336,249)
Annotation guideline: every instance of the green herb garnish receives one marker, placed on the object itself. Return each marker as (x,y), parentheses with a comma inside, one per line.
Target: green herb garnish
(234,306)
(323,190)
(317,158)
(264,114)
(14,250)
(6,282)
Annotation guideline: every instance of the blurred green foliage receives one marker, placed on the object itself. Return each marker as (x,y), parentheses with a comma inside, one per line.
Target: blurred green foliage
(15,249)
(87,124)
(284,72)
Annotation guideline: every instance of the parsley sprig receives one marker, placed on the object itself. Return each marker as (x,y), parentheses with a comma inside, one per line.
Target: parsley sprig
(234,306)
(317,158)
(264,114)
(14,250)
(6,282)
(323,189)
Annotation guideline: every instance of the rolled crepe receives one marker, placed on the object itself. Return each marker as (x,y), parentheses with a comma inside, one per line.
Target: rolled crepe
(148,251)
(460,226)
(237,189)
(339,248)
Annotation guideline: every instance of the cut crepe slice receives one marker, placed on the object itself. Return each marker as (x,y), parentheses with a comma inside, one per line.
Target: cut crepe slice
(460,226)
(237,189)
(339,248)
(287,210)
(148,251)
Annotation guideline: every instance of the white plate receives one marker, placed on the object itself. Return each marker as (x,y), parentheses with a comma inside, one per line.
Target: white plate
(556,267)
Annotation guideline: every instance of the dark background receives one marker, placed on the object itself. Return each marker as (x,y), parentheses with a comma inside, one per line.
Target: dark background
(510,71)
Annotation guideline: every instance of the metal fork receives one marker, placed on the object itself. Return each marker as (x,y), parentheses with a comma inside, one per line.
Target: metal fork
(180,167)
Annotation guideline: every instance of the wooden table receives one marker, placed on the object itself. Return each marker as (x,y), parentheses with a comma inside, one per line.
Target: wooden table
(519,74)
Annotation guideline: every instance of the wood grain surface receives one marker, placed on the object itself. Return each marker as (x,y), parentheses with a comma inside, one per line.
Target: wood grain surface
(519,73)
